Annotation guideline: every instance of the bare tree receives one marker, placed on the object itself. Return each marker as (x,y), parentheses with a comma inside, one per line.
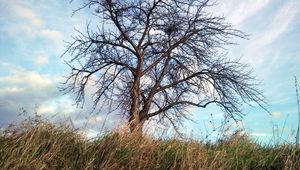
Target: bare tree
(156,58)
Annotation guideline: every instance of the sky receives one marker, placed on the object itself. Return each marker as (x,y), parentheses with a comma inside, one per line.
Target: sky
(33,35)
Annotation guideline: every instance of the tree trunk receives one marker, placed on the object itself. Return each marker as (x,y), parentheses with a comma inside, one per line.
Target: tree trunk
(136,120)
(136,125)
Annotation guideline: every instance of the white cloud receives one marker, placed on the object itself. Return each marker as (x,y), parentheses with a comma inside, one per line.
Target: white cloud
(53,35)
(260,134)
(281,22)
(21,21)
(276,115)
(237,12)
(96,120)
(90,133)
(271,25)
(20,79)
(58,106)
(23,88)
(41,60)
(24,13)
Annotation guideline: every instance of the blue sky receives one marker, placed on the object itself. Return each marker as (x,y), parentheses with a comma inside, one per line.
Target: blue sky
(32,35)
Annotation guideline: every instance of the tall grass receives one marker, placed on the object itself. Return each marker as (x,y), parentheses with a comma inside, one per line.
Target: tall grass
(298,128)
(40,145)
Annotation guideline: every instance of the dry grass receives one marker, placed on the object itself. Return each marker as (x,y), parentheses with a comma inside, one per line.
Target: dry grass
(41,145)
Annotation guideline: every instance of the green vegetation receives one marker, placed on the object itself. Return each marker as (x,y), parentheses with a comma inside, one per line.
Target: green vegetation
(40,145)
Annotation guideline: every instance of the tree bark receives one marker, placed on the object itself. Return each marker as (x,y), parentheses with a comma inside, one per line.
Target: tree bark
(135,124)
(136,127)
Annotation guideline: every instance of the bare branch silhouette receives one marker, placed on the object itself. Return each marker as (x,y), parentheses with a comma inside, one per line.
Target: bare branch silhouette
(159,57)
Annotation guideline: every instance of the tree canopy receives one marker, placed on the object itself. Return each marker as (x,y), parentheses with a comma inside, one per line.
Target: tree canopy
(157,58)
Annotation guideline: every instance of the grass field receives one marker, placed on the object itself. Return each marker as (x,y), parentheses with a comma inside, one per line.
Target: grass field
(39,144)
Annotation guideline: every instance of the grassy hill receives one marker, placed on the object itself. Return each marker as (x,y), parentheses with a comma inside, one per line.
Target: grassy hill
(42,145)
